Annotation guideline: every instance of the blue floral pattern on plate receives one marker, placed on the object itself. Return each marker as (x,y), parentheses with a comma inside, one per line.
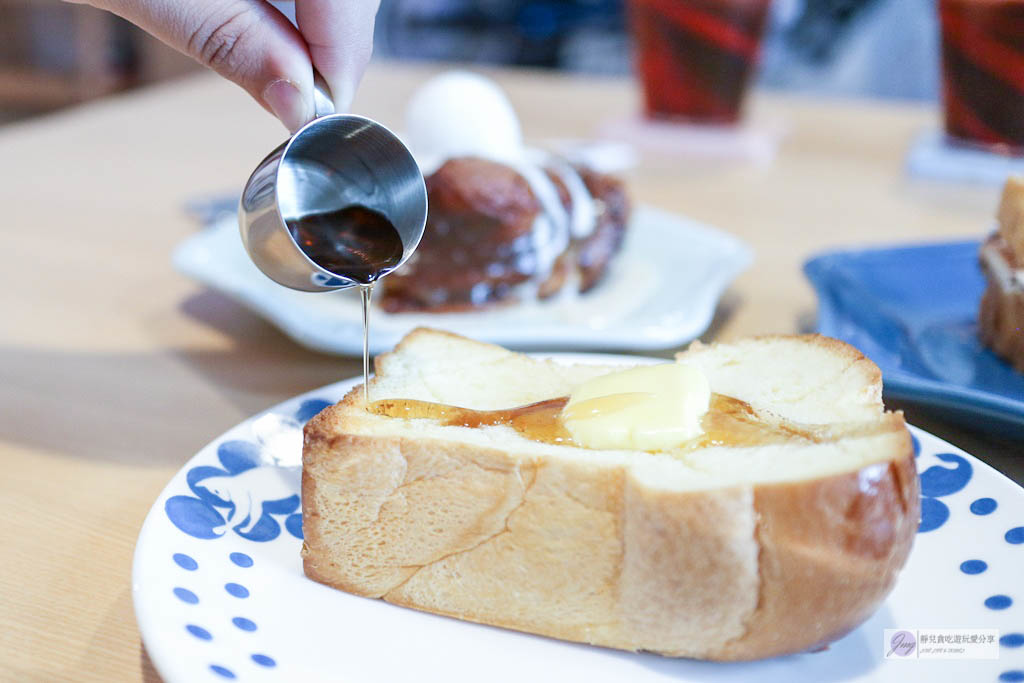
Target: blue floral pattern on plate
(938,481)
(913,310)
(246,492)
(222,597)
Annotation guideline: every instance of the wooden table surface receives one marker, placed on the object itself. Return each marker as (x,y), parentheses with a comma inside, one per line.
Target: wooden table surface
(115,369)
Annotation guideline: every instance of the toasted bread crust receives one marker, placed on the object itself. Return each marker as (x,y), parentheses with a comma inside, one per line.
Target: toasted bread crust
(830,552)
(1001,323)
(1001,312)
(1011,215)
(587,552)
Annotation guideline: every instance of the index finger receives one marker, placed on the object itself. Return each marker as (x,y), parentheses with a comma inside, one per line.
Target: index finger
(339,34)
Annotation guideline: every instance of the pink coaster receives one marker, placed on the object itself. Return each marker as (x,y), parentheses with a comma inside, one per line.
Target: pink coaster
(931,157)
(753,141)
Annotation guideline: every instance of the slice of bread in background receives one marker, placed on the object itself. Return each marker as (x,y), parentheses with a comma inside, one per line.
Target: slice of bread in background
(719,553)
(1001,311)
(1011,215)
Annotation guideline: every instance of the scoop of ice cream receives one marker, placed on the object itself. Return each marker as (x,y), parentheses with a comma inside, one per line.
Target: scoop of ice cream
(459,113)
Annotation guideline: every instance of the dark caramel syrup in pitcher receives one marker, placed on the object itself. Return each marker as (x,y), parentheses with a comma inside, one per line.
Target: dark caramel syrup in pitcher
(728,422)
(355,243)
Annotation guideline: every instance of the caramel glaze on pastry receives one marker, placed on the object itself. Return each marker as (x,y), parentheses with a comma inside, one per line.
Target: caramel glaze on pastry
(489,239)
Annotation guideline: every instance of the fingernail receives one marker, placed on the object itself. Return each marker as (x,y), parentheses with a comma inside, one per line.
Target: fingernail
(343,95)
(287,103)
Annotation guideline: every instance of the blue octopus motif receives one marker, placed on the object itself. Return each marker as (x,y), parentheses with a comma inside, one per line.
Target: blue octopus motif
(248,493)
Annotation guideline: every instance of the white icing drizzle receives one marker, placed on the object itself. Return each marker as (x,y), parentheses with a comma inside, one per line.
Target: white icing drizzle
(1008,278)
(551,228)
(583,214)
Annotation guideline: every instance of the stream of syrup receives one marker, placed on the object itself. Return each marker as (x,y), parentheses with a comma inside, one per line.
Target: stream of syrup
(355,243)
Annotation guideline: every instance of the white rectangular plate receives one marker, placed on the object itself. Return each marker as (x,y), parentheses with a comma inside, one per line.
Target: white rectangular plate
(661,291)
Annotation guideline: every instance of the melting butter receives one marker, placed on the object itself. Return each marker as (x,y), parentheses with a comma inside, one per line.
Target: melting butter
(650,408)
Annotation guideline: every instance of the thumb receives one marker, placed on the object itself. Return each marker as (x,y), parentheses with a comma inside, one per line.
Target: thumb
(246,41)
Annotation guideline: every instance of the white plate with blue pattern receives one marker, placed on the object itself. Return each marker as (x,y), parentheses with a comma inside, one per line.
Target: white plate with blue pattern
(220,595)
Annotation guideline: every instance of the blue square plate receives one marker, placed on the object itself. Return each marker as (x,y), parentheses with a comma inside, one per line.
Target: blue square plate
(913,310)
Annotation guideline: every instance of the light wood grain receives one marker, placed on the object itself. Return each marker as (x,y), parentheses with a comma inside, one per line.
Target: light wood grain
(114,369)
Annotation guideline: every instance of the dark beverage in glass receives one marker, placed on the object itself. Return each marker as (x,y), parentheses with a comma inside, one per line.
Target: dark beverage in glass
(983,72)
(695,58)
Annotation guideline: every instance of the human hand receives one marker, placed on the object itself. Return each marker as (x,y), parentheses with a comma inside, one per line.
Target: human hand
(253,44)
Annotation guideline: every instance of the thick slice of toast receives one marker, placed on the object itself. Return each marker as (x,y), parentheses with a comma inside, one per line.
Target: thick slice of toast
(719,553)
